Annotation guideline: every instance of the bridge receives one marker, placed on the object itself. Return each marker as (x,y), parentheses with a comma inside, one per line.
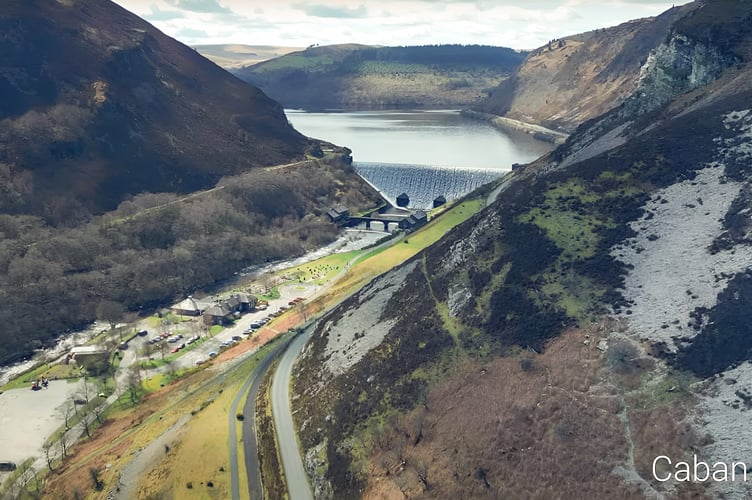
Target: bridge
(354,221)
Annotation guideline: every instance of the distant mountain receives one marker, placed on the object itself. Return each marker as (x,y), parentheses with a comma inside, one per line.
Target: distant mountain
(573,79)
(361,76)
(234,56)
(594,318)
(95,104)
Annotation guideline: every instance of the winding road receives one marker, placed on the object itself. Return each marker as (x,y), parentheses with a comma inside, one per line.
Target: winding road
(250,444)
(298,486)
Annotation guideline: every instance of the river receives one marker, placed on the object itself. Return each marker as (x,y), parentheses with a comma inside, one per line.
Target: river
(422,153)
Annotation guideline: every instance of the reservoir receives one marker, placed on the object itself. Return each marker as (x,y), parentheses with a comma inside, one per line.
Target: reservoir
(423,153)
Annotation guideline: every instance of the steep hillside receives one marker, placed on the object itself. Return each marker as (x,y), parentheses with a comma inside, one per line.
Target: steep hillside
(365,77)
(97,104)
(576,78)
(134,171)
(593,318)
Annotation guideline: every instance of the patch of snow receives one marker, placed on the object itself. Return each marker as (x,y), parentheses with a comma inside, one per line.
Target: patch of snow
(359,330)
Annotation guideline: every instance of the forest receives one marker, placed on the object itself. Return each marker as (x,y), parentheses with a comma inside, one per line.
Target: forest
(156,247)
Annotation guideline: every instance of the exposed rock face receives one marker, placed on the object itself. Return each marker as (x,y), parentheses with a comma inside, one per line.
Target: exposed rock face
(678,65)
(638,226)
(95,104)
(574,79)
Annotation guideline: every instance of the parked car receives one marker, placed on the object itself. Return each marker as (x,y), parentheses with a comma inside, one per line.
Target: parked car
(200,362)
(175,349)
(237,338)
(6,465)
(143,333)
(212,354)
(123,346)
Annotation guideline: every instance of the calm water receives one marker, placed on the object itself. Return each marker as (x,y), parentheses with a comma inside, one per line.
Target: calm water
(422,153)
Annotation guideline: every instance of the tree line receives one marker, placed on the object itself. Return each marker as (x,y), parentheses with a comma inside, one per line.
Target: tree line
(154,248)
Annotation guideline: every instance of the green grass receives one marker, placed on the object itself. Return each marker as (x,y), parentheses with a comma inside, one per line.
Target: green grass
(320,271)
(52,372)
(296,61)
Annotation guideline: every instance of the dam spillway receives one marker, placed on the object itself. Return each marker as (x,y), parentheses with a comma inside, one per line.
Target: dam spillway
(423,183)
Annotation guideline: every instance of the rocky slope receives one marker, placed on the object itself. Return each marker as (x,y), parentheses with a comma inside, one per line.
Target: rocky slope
(365,77)
(97,104)
(595,317)
(573,79)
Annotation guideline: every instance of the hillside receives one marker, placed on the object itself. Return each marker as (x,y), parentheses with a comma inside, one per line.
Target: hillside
(592,318)
(133,171)
(235,56)
(364,77)
(97,104)
(573,79)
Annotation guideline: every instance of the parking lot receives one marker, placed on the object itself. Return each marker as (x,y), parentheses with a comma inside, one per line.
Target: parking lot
(28,417)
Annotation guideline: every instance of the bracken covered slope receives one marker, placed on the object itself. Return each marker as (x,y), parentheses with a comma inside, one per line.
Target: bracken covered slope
(594,317)
(95,103)
(576,78)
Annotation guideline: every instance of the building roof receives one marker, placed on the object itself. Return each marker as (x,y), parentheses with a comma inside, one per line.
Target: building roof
(88,349)
(218,310)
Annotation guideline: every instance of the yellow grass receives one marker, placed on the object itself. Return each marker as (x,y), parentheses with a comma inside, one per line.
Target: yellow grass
(379,261)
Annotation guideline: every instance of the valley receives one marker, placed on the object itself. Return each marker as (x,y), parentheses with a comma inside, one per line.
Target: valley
(559,319)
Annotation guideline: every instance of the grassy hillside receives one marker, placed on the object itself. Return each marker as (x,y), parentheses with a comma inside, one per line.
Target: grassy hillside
(573,326)
(91,119)
(359,76)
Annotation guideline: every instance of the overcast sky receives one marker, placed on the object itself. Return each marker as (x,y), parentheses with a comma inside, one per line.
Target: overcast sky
(521,24)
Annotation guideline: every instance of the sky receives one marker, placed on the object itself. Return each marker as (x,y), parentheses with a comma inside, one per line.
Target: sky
(520,24)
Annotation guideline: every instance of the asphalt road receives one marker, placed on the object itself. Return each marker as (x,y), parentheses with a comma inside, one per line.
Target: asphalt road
(250,443)
(298,486)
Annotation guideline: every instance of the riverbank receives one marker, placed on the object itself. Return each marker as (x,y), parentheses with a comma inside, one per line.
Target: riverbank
(504,123)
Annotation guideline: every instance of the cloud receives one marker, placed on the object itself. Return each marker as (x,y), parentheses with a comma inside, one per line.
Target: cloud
(191,33)
(206,6)
(320,10)
(158,15)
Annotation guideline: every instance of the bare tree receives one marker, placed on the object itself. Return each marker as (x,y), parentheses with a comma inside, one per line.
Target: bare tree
(86,392)
(47,448)
(85,421)
(110,311)
(66,411)
(134,382)
(64,443)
